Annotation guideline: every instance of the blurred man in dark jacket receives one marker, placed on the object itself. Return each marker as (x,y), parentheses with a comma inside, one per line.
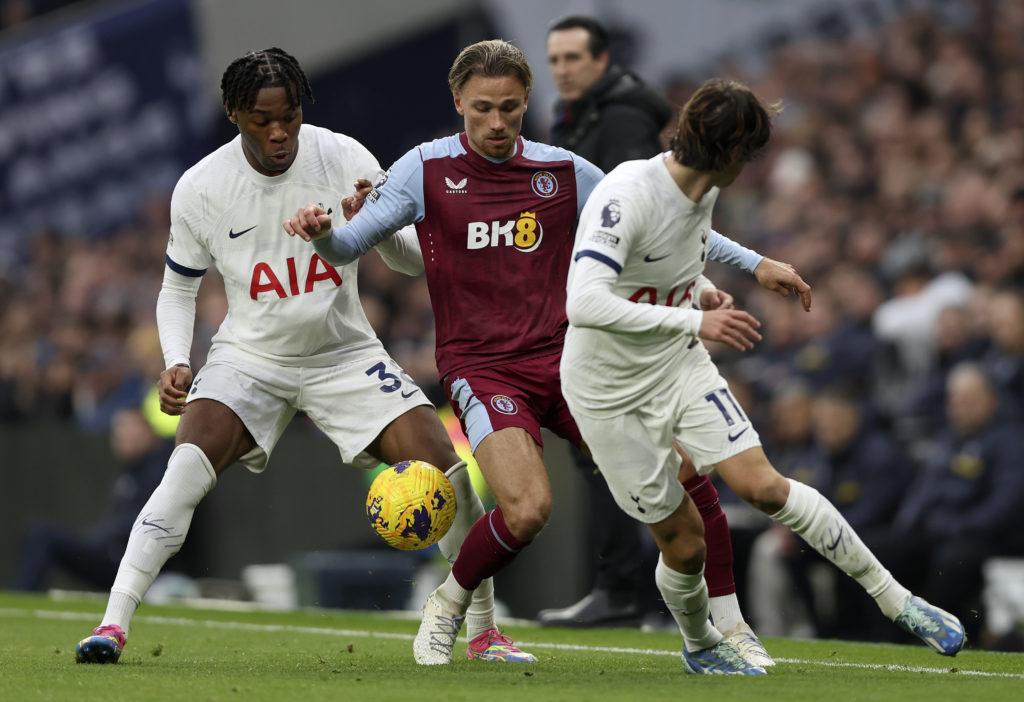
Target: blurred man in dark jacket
(965,503)
(607,115)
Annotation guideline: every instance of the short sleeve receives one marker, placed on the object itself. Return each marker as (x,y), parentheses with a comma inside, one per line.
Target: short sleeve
(607,227)
(186,253)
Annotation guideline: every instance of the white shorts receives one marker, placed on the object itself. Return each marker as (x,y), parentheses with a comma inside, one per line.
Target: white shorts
(634,450)
(351,402)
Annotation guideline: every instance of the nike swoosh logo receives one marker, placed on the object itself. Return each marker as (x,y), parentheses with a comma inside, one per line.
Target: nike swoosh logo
(733,437)
(835,544)
(407,395)
(155,526)
(648,258)
(235,235)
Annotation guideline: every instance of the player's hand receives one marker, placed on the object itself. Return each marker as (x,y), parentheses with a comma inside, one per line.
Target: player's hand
(173,387)
(715,299)
(782,278)
(310,222)
(354,202)
(733,327)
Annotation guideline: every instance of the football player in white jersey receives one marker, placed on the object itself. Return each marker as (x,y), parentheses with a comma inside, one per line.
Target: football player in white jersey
(295,336)
(637,378)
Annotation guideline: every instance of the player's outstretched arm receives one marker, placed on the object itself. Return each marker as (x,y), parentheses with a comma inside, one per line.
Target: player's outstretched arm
(782,278)
(336,245)
(736,328)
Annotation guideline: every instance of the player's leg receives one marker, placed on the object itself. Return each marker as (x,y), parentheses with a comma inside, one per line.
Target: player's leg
(210,437)
(680,574)
(718,563)
(419,434)
(804,510)
(510,461)
(640,465)
(680,579)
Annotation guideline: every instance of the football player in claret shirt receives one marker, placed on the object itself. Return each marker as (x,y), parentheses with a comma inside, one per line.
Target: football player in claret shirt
(295,336)
(494,214)
(638,379)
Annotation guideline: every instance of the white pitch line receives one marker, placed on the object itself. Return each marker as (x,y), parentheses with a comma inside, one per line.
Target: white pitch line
(184,621)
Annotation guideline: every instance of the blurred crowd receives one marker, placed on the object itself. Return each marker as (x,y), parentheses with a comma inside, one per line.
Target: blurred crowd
(894,183)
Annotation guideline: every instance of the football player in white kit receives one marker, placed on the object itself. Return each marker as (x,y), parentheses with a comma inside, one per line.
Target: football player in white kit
(637,378)
(295,336)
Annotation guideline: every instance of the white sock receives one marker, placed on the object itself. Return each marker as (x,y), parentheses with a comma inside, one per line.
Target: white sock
(159,531)
(725,612)
(686,597)
(821,525)
(468,509)
(455,593)
(480,615)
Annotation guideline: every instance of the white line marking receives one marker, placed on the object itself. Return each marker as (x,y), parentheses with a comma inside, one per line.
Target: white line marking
(184,621)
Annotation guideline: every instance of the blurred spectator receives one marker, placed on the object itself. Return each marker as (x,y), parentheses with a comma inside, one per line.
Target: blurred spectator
(924,413)
(964,505)
(92,554)
(908,319)
(1005,357)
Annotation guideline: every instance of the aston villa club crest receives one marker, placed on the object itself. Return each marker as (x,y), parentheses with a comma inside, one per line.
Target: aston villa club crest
(544,183)
(504,404)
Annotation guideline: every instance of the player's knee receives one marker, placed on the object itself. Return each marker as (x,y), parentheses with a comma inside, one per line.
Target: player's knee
(527,518)
(680,539)
(767,492)
(685,553)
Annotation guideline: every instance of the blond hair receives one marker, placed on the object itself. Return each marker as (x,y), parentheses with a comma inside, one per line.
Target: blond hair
(494,58)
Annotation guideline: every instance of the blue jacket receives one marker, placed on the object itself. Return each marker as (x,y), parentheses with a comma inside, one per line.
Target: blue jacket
(972,486)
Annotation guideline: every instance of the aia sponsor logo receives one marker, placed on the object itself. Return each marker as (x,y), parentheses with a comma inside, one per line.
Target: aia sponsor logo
(504,404)
(266,280)
(524,233)
(544,183)
(455,188)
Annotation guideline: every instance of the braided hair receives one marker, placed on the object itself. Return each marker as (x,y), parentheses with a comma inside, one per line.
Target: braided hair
(267,68)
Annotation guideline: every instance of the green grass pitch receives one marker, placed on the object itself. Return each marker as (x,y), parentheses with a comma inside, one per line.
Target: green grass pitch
(188,653)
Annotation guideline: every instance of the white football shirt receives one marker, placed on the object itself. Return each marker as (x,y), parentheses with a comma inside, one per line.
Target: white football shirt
(285,303)
(641,226)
